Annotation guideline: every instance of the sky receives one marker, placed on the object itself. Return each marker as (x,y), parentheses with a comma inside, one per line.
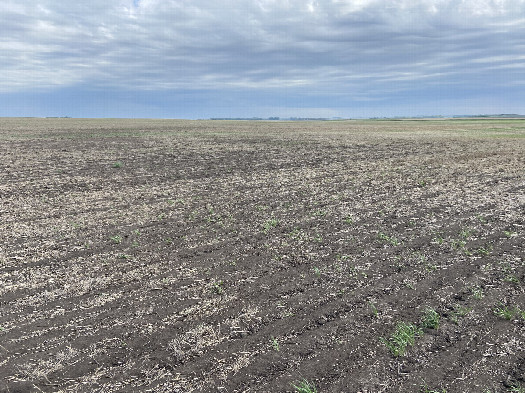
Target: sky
(261,58)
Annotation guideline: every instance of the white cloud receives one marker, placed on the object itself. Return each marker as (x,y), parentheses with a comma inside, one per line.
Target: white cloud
(337,45)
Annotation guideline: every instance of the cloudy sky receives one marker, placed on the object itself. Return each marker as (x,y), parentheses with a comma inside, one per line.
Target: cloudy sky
(244,58)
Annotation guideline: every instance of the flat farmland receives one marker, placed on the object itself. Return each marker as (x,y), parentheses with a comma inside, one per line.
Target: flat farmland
(218,256)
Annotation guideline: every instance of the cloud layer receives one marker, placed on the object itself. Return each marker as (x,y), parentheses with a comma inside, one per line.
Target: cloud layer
(363,50)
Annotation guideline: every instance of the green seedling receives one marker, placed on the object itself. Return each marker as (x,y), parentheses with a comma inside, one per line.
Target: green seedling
(504,312)
(295,233)
(426,389)
(275,344)
(387,239)
(460,311)
(481,219)
(458,244)
(218,288)
(116,239)
(304,387)
(403,337)
(117,164)
(510,234)
(517,388)
(348,220)
(484,251)
(409,284)
(76,225)
(372,306)
(320,213)
(430,319)
(268,225)
(511,278)
(466,233)
(477,293)
(438,239)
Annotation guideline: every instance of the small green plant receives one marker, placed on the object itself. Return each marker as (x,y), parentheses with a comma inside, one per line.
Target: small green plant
(317,271)
(504,312)
(511,278)
(304,387)
(484,251)
(372,306)
(116,239)
(510,234)
(430,319)
(438,239)
(481,219)
(319,213)
(295,233)
(517,388)
(426,389)
(218,287)
(477,293)
(409,284)
(117,164)
(466,233)
(269,224)
(275,344)
(348,220)
(459,311)
(403,337)
(509,275)
(388,239)
(458,244)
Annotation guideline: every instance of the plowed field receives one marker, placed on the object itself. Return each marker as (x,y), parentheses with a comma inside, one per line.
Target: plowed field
(202,256)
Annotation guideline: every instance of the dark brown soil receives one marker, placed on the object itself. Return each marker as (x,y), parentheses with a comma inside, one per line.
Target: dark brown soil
(186,256)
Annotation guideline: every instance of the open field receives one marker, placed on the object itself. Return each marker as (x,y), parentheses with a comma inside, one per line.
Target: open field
(199,256)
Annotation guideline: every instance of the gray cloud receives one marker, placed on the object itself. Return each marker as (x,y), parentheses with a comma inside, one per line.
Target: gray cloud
(359,48)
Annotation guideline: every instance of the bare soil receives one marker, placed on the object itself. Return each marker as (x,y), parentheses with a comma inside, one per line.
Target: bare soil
(201,256)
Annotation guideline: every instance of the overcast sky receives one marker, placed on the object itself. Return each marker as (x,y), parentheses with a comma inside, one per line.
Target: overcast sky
(304,58)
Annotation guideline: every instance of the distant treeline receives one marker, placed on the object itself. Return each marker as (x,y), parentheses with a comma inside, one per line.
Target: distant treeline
(272,118)
(500,116)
